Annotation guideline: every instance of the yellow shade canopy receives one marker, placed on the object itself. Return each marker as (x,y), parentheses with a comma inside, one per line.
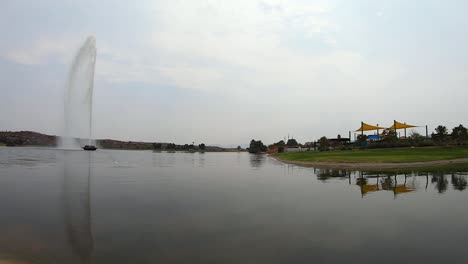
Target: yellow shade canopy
(398,125)
(367,127)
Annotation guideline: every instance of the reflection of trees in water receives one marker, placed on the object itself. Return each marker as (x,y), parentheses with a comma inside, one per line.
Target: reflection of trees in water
(406,183)
(325,174)
(361,181)
(257,160)
(440,181)
(459,182)
(201,159)
(77,203)
(387,183)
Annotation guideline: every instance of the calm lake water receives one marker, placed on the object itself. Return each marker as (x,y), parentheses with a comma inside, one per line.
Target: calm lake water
(143,207)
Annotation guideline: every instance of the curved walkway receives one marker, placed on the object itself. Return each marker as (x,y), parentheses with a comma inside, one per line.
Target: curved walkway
(365,165)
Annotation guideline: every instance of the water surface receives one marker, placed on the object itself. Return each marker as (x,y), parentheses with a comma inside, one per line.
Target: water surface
(144,207)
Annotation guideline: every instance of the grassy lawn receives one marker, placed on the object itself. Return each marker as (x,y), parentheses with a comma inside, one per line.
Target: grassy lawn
(2,145)
(380,155)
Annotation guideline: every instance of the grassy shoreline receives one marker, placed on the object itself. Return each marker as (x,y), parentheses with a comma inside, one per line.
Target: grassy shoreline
(428,159)
(400,155)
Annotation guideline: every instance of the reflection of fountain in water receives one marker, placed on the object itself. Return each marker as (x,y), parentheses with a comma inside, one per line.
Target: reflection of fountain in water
(77,204)
(79,97)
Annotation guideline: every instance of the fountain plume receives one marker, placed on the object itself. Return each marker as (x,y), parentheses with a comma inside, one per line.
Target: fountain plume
(79,97)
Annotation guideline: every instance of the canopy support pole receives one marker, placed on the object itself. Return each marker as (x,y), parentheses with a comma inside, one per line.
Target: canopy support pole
(405,131)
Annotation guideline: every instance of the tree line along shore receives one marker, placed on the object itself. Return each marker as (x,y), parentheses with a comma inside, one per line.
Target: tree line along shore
(30,138)
(388,150)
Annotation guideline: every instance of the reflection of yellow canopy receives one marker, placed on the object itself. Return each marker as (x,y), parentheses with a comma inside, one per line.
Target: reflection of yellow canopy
(369,188)
(367,127)
(402,189)
(399,125)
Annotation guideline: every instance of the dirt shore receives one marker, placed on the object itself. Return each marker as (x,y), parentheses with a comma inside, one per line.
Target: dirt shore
(362,165)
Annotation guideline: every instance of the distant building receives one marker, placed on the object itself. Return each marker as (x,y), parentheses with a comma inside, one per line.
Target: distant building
(294,149)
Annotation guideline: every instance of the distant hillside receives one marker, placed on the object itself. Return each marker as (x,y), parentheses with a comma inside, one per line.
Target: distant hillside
(117,144)
(30,138)
(27,138)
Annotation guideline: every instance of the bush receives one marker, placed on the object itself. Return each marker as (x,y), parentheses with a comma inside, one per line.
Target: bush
(383,144)
(426,143)
(378,145)
(14,142)
(415,138)
(361,141)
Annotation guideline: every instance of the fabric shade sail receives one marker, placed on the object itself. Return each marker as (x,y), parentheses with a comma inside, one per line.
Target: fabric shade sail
(367,127)
(398,125)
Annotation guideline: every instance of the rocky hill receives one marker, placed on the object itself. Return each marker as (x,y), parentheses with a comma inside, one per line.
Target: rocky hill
(27,138)
(30,138)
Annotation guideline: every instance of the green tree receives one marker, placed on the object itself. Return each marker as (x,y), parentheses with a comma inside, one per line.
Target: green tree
(389,136)
(441,133)
(202,146)
(170,146)
(157,146)
(459,134)
(361,138)
(291,142)
(280,143)
(324,144)
(257,146)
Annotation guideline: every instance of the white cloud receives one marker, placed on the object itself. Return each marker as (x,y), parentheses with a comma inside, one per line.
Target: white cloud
(230,47)
(218,46)
(44,49)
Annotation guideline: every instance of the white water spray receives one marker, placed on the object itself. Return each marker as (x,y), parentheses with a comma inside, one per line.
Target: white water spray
(79,97)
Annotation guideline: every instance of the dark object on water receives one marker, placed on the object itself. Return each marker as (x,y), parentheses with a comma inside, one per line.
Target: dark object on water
(89,147)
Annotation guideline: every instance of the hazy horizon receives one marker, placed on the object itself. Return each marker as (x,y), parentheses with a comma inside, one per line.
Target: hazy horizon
(226,72)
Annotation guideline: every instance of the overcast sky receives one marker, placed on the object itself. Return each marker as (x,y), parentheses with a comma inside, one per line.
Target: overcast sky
(224,72)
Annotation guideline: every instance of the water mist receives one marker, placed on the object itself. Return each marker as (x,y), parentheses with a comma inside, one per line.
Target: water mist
(79,98)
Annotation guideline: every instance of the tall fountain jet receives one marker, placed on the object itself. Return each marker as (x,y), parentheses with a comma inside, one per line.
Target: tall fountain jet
(79,98)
